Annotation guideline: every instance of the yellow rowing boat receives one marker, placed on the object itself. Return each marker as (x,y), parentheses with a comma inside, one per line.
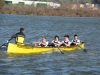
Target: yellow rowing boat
(18,48)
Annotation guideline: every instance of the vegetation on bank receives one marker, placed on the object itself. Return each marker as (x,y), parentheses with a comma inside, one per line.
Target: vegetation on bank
(31,10)
(46,11)
(2,4)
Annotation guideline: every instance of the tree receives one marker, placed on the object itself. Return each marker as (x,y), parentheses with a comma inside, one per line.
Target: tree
(96,1)
(2,3)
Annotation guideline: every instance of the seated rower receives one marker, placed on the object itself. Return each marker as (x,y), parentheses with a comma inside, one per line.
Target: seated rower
(66,41)
(43,43)
(75,41)
(55,42)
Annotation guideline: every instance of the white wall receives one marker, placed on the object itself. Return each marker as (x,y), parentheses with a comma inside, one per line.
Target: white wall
(54,5)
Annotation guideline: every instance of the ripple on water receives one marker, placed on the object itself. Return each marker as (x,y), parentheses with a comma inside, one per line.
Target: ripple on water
(51,63)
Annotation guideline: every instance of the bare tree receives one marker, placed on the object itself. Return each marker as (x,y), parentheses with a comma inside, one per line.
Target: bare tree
(96,1)
(2,3)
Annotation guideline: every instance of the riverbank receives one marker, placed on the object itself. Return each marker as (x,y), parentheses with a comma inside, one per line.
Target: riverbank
(31,10)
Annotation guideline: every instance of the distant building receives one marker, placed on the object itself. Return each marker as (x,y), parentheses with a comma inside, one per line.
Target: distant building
(40,3)
(35,3)
(54,5)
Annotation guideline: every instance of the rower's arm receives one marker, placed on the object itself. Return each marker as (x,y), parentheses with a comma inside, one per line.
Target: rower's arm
(68,44)
(78,42)
(13,36)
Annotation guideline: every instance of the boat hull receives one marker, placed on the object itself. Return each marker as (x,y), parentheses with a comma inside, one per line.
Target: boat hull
(17,48)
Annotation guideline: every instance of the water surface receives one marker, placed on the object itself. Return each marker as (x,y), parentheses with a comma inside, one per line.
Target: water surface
(51,63)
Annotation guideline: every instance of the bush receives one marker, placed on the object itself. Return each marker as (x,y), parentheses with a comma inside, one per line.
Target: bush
(31,10)
(2,4)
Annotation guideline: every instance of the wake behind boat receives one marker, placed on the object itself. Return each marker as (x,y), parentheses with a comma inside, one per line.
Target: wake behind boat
(18,48)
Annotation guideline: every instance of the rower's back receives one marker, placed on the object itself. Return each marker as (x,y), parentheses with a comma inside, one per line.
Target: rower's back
(19,39)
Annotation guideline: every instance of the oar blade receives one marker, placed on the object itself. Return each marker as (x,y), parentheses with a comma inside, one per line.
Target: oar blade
(62,52)
(85,50)
(2,45)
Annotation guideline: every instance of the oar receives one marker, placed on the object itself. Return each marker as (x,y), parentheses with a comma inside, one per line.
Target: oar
(60,50)
(5,43)
(84,50)
(2,45)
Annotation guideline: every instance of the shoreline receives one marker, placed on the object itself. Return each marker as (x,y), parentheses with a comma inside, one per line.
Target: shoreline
(41,11)
(51,16)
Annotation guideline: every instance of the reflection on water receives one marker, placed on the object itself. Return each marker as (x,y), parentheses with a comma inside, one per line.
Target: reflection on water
(48,63)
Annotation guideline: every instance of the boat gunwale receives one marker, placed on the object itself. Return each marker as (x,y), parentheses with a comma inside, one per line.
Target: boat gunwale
(46,46)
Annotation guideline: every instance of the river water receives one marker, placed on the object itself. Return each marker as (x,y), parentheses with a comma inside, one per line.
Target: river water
(51,63)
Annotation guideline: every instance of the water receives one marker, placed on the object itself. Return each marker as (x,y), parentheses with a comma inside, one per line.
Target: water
(51,63)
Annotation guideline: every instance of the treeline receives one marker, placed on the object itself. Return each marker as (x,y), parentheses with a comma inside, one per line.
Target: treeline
(96,1)
(2,4)
(41,11)
(31,10)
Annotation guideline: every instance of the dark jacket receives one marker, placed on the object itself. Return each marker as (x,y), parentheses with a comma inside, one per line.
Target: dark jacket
(15,35)
(19,33)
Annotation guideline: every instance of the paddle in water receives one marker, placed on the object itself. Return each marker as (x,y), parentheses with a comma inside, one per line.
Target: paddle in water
(4,44)
(84,50)
(60,50)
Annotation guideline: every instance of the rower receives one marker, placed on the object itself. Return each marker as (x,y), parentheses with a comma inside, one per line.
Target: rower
(19,37)
(43,43)
(66,41)
(75,41)
(55,42)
